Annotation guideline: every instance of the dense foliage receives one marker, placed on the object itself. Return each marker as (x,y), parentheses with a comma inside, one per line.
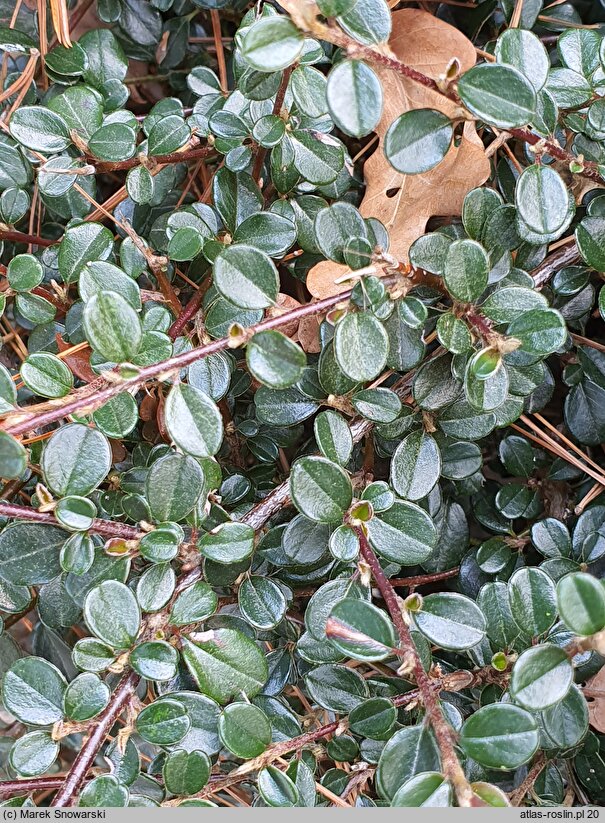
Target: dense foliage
(302,399)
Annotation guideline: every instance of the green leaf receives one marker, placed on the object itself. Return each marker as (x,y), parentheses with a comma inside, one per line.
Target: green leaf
(410,751)
(118,417)
(500,736)
(29,553)
(168,135)
(590,237)
(13,456)
(194,604)
(104,791)
(416,466)
(229,542)
(186,773)
(505,304)
(318,158)
(427,789)
(247,277)
(320,489)
(276,788)
(81,244)
(418,140)
(541,332)
(40,129)
(24,272)
(274,360)
(245,730)
(155,587)
(568,88)
(98,276)
(404,534)
(333,437)
(451,621)
(140,185)
(261,602)
(541,199)
(33,691)
(75,513)
(112,613)
(75,460)
(374,718)
(566,723)
(378,405)
(173,486)
(581,603)
(193,421)
(524,51)
(369,21)
(33,754)
(155,660)
(466,270)
(85,697)
(164,722)
(541,677)
(360,630)
(333,8)
(532,601)
(335,227)
(336,688)
(272,44)
(224,663)
(13,40)
(354,96)
(81,109)
(308,86)
(91,655)
(46,375)
(112,326)
(266,231)
(361,346)
(113,142)
(498,94)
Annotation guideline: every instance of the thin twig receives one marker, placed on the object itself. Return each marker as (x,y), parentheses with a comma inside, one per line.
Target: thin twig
(425,579)
(517,796)
(451,766)
(27,419)
(107,528)
(99,729)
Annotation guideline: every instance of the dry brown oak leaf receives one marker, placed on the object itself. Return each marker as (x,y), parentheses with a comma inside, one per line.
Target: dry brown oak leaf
(594,692)
(428,45)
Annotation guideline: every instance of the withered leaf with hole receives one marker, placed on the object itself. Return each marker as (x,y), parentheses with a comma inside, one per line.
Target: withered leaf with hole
(404,203)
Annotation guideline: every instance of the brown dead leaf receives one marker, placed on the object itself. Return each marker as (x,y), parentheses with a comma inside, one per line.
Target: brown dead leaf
(404,203)
(79,362)
(285,303)
(308,334)
(594,692)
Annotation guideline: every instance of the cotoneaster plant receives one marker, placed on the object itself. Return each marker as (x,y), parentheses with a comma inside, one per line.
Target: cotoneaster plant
(302,398)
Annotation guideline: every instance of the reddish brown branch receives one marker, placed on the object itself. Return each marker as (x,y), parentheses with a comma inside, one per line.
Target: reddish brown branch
(188,313)
(517,796)
(20,237)
(424,579)
(306,21)
(99,730)
(160,159)
(287,747)
(8,788)
(565,256)
(108,528)
(28,419)
(277,107)
(450,764)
